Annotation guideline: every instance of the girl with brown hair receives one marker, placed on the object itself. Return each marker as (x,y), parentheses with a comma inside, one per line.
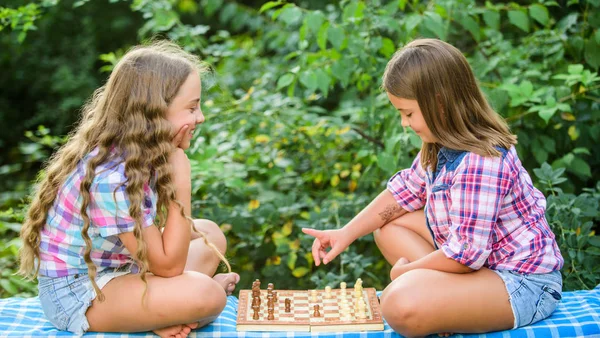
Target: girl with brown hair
(464,228)
(108,233)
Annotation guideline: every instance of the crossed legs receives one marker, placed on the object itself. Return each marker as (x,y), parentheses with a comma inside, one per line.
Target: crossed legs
(423,301)
(170,303)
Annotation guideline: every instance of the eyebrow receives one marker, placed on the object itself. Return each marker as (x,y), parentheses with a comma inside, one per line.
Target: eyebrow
(194,101)
(403,108)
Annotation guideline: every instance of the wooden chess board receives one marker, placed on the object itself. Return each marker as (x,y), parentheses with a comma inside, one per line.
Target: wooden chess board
(301,317)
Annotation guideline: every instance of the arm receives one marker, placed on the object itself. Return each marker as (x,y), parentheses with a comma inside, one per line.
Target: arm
(167,251)
(436,260)
(405,193)
(382,210)
(379,212)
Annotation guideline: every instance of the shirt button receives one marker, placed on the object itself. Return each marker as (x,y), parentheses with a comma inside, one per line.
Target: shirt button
(465,246)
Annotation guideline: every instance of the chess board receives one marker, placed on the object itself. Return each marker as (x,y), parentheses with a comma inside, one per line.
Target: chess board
(301,317)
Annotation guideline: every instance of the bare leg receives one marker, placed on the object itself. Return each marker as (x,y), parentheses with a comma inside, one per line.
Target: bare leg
(422,302)
(202,258)
(169,303)
(406,236)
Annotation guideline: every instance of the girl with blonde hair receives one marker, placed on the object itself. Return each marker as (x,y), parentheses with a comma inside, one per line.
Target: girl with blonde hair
(108,233)
(463,227)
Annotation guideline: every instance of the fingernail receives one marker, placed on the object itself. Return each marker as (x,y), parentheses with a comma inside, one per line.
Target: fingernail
(185,127)
(325,261)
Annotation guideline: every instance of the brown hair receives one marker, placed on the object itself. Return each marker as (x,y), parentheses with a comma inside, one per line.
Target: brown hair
(439,78)
(128,115)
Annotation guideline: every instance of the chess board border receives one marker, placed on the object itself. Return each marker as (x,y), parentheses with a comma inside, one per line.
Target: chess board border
(243,323)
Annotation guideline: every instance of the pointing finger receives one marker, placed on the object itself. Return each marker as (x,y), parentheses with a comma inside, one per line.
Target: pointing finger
(315,251)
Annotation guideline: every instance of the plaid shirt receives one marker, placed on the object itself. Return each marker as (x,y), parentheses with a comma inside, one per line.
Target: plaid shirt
(481,211)
(62,246)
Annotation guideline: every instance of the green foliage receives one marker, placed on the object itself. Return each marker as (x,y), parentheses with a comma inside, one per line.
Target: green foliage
(298,133)
(572,220)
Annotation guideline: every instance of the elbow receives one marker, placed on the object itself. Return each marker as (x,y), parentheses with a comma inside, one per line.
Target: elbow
(167,270)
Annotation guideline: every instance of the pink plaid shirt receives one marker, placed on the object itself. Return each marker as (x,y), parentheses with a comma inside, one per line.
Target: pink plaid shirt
(62,246)
(481,211)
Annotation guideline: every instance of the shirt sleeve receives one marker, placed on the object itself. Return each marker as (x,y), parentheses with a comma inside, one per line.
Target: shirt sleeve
(109,205)
(408,186)
(476,194)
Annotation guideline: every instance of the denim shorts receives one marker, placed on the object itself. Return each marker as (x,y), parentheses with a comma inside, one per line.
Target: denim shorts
(65,300)
(533,297)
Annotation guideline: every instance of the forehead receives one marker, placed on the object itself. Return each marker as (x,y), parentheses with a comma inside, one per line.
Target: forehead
(402,103)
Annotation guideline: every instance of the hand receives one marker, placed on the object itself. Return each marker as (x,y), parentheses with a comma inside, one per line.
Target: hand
(181,170)
(337,240)
(399,268)
(180,135)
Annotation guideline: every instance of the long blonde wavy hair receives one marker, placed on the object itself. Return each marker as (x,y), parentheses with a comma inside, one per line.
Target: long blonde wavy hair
(126,115)
(439,78)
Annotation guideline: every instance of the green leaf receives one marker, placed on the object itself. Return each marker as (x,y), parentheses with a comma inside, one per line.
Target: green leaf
(412,21)
(580,167)
(309,80)
(336,36)
(471,25)
(342,69)
(539,13)
(314,20)
(290,15)
(285,80)
(387,162)
(592,53)
(388,48)
(595,241)
(269,5)
(492,18)
(434,22)
(322,35)
(323,81)
(519,18)
(547,113)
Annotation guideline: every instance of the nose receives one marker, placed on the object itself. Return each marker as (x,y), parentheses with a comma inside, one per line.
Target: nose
(404,122)
(199,117)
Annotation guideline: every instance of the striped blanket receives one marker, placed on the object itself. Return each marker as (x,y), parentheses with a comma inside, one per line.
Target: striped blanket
(578,315)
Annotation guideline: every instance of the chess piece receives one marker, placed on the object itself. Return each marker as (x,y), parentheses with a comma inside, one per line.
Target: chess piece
(343,285)
(313,294)
(270,286)
(255,308)
(256,300)
(275,296)
(288,305)
(270,315)
(328,292)
(316,313)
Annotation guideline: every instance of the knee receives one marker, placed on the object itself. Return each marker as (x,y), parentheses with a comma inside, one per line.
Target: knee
(207,296)
(213,232)
(400,308)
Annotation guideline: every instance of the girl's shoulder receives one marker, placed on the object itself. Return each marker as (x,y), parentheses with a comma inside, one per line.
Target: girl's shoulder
(508,161)
(111,171)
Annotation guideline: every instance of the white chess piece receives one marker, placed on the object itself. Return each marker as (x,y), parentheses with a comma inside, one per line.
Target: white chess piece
(343,285)
(328,292)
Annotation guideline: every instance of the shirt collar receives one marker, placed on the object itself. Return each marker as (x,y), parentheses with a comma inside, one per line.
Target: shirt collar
(449,154)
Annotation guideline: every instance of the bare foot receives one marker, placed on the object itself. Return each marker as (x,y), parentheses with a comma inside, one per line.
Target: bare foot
(176,331)
(227,281)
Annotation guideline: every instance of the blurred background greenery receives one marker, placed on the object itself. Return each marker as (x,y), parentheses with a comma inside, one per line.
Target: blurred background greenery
(298,132)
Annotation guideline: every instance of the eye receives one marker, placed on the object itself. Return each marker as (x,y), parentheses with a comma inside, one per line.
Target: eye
(409,115)
(193,110)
